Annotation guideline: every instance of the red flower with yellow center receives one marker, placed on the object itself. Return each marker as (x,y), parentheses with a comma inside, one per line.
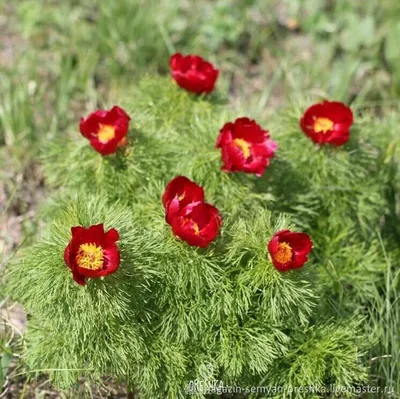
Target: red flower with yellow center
(106,130)
(328,123)
(179,193)
(198,224)
(191,219)
(245,147)
(289,250)
(193,73)
(92,253)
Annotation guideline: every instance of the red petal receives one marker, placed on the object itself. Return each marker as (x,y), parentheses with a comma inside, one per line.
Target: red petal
(249,131)
(67,255)
(174,187)
(299,261)
(96,230)
(300,242)
(281,267)
(112,256)
(89,127)
(94,234)
(266,149)
(227,164)
(174,60)
(206,217)
(338,112)
(104,148)
(172,210)
(273,245)
(225,135)
(236,157)
(210,232)
(282,234)
(339,136)
(112,236)
(77,231)
(183,230)
(119,113)
(257,166)
(79,278)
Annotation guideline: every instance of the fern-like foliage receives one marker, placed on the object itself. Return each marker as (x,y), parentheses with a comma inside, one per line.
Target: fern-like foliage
(172,308)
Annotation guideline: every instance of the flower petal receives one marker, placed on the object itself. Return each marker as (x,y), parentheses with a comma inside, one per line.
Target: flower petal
(112,236)
(193,73)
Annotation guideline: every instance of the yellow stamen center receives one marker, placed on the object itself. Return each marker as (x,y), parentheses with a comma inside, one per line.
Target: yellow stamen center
(196,228)
(182,196)
(90,256)
(323,125)
(284,253)
(243,146)
(106,133)
(193,225)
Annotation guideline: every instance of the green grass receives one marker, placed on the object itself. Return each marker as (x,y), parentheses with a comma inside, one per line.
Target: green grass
(385,328)
(73,56)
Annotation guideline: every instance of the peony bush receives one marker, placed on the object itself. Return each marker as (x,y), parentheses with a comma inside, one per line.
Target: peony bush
(177,239)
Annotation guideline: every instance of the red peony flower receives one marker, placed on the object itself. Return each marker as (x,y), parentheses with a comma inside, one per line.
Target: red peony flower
(106,130)
(289,250)
(328,123)
(198,224)
(245,147)
(193,73)
(92,253)
(179,193)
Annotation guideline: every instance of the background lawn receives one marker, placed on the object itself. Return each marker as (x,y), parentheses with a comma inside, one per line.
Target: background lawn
(61,59)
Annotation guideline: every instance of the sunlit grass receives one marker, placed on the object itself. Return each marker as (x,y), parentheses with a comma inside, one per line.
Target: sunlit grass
(77,55)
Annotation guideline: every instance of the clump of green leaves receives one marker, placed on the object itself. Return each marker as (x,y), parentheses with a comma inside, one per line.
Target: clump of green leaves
(172,308)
